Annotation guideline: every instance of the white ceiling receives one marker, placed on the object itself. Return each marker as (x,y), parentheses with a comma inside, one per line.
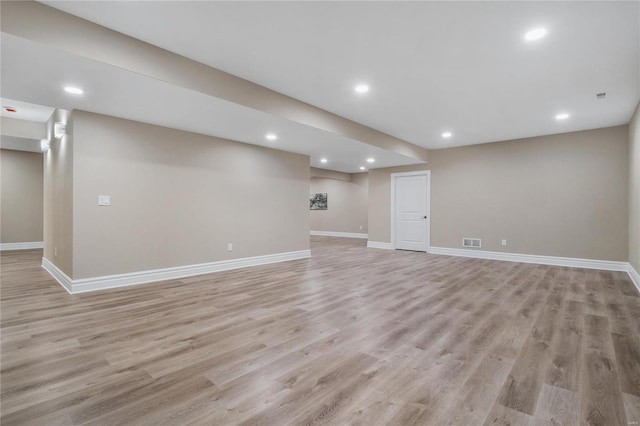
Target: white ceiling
(432,66)
(38,74)
(25,110)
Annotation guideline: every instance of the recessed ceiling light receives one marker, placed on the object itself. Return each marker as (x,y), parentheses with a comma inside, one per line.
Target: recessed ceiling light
(271,136)
(361,88)
(363,168)
(323,160)
(10,109)
(371,160)
(73,90)
(535,34)
(562,116)
(447,134)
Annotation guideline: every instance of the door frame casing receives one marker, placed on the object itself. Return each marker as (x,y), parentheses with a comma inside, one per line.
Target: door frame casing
(426,173)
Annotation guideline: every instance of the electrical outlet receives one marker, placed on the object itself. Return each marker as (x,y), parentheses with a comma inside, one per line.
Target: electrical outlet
(104,200)
(229,246)
(55,252)
(361,227)
(504,242)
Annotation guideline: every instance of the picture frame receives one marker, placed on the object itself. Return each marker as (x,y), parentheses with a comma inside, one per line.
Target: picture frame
(318,201)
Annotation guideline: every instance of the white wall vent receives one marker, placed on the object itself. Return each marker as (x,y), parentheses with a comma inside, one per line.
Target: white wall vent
(472,242)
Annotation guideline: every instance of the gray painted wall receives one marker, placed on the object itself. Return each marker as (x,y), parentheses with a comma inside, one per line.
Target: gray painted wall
(560,195)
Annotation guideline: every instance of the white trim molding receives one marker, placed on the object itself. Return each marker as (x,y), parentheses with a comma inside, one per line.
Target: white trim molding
(633,274)
(22,246)
(379,245)
(339,234)
(606,265)
(133,278)
(62,278)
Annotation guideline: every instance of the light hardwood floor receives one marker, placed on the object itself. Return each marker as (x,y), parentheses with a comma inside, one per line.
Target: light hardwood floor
(351,336)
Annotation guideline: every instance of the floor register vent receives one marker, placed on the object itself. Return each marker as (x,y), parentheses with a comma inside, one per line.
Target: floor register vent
(472,242)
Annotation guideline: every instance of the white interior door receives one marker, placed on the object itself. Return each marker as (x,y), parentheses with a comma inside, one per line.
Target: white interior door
(411,212)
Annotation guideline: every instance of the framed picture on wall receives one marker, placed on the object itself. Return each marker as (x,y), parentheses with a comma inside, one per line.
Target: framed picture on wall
(318,201)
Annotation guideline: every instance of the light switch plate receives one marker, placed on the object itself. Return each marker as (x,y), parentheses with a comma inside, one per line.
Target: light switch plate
(104,200)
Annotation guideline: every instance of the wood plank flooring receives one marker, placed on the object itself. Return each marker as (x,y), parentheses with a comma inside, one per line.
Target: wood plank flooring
(352,336)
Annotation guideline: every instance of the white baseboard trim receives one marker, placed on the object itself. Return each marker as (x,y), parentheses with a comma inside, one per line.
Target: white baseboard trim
(635,277)
(62,278)
(531,258)
(143,277)
(339,234)
(379,245)
(22,246)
